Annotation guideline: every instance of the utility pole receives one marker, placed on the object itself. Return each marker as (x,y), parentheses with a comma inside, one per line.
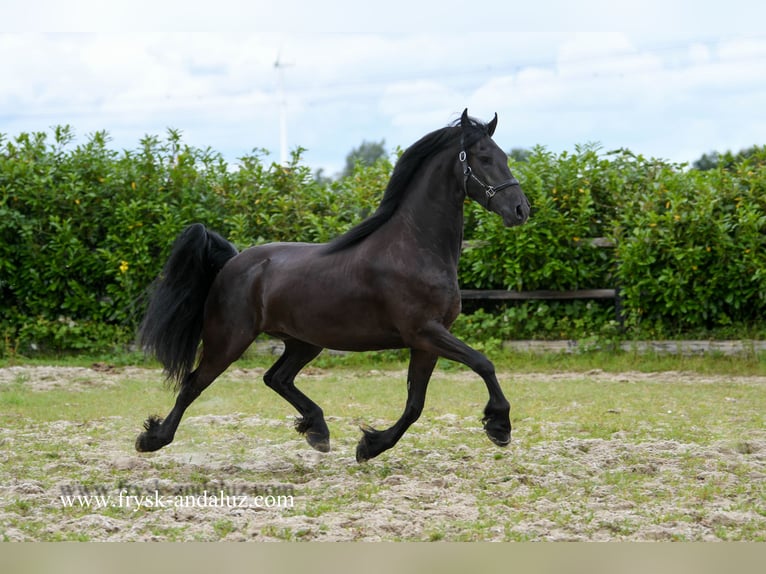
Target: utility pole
(280,67)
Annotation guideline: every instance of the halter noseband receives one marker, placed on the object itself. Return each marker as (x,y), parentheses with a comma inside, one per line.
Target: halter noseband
(490,190)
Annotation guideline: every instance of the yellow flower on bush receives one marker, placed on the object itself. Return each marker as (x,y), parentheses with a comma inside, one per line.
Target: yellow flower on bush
(123,266)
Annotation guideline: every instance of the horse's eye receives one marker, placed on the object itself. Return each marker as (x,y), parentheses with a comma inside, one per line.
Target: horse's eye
(485,160)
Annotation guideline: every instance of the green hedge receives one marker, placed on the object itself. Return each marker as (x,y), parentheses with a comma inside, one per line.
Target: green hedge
(85,228)
(692,245)
(689,255)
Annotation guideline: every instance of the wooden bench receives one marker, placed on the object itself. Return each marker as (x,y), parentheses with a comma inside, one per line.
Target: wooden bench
(546,294)
(543,294)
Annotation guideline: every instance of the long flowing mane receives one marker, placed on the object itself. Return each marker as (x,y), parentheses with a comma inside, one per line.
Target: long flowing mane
(409,163)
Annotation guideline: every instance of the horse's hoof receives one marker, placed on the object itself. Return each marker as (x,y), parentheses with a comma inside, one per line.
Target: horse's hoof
(148,441)
(500,436)
(500,439)
(362,452)
(318,442)
(367,449)
(498,429)
(141,442)
(145,443)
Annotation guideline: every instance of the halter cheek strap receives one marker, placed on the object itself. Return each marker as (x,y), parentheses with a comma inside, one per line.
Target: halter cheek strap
(490,190)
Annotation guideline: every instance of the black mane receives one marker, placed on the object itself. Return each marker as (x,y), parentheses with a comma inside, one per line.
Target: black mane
(404,171)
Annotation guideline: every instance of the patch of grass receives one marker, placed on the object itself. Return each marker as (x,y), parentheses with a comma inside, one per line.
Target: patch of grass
(169,533)
(13,397)
(592,456)
(744,364)
(223,528)
(21,507)
(280,533)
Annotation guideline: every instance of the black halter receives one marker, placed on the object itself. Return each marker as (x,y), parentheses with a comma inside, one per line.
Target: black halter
(490,190)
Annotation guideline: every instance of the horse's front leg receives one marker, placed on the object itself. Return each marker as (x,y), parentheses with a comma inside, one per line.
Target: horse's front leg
(435,338)
(373,442)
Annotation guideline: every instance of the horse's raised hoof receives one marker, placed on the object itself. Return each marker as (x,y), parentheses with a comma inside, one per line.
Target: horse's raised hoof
(365,450)
(498,433)
(500,440)
(148,441)
(318,442)
(317,439)
(363,453)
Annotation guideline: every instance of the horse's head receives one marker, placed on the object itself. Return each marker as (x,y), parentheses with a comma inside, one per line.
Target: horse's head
(488,179)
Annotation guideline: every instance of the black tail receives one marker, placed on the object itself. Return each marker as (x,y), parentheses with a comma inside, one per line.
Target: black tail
(172,326)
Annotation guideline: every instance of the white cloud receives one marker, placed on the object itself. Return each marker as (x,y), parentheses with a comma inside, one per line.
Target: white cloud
(672,98)
(674,101)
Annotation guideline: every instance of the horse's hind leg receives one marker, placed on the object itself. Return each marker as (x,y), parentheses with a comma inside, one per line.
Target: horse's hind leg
(281,378)
(217,355)
(374,442)
(160,432)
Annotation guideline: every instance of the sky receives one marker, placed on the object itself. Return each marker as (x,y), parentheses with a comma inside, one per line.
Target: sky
(668,79)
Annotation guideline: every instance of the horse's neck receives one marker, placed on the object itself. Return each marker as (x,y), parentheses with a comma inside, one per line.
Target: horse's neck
(433,212)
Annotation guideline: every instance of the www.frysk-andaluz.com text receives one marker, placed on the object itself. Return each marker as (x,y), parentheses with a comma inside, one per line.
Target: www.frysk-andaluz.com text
(158,495)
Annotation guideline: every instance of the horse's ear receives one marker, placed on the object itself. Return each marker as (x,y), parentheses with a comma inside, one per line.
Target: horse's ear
(464,119)
(492,125)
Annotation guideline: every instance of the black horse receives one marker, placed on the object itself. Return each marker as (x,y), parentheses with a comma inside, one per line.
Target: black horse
(388,283)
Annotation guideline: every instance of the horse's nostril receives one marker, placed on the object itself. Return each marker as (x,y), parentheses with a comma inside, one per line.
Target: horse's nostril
(519,212)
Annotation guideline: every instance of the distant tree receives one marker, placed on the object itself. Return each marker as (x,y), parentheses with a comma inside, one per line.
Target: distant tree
(321,178)
(366,154)
(519,154)
(726,160)
(707,161)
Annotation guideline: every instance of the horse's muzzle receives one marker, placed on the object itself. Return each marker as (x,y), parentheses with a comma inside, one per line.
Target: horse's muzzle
(516,210)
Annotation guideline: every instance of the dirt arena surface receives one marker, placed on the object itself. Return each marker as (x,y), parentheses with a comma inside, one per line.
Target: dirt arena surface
(246,476)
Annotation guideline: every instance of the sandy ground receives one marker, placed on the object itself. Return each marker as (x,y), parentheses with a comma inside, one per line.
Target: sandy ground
(574,488)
